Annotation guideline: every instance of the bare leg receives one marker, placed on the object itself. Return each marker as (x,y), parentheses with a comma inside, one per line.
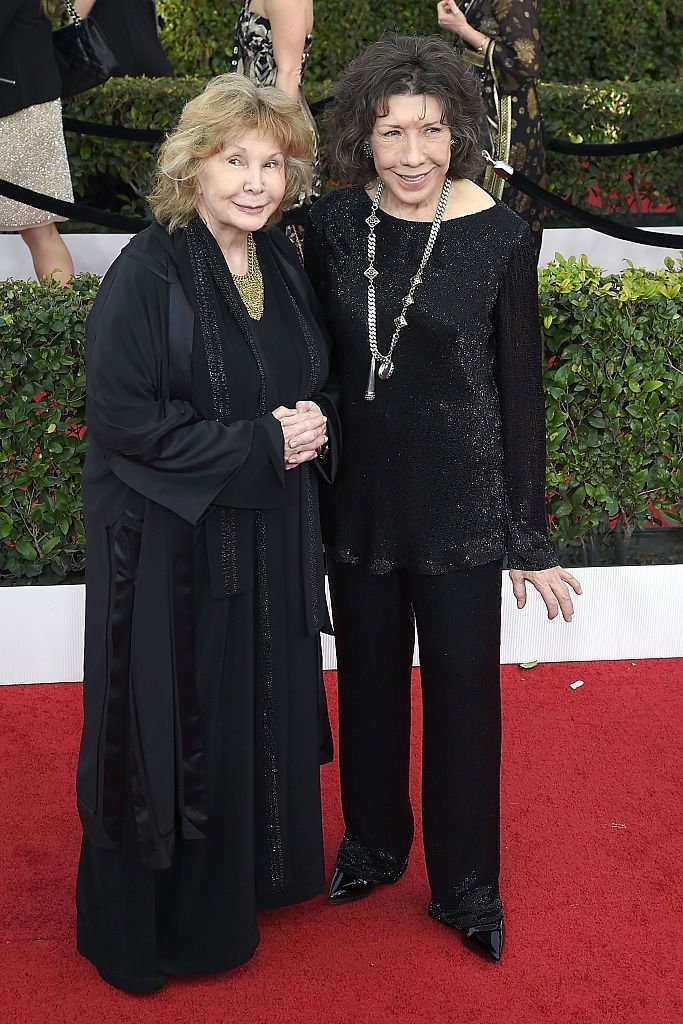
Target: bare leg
(50,255)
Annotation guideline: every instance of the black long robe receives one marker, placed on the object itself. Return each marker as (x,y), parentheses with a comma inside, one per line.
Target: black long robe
(204,712)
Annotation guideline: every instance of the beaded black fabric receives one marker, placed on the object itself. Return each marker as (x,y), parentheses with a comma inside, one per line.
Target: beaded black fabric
(470,906)
(376,866)
(446,468)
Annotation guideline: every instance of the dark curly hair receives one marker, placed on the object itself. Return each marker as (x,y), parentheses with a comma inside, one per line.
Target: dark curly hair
(398,65)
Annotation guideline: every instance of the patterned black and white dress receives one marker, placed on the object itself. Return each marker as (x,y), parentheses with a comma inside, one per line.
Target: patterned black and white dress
(254,49)
(509,73)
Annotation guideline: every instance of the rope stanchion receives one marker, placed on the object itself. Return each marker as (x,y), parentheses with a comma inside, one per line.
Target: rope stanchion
(73,211)
(613,148)
(583,217)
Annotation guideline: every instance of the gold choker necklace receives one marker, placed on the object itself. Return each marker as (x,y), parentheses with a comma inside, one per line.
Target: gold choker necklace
(250,285)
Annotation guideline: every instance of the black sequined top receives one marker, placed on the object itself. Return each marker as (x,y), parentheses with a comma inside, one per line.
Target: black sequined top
(446,468)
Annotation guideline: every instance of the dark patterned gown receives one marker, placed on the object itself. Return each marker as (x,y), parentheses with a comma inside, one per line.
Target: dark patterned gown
(511,68)
(254,48)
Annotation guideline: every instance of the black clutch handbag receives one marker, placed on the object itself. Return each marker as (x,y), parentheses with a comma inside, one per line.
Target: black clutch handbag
(83,57)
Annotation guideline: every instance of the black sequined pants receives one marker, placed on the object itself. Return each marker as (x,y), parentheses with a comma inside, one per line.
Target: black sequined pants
(457,615)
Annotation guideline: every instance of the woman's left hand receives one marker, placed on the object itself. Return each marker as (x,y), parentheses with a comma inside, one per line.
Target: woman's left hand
(450,17)
(302,442)
(551,585)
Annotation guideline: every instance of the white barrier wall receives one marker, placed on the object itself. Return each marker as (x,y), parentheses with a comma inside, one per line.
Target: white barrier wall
(625,613)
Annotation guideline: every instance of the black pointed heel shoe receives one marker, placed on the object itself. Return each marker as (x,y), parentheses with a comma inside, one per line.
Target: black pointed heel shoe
(345,888)
(487,942)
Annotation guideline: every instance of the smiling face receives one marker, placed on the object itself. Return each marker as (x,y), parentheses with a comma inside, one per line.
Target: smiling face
(242,185)
(412,151)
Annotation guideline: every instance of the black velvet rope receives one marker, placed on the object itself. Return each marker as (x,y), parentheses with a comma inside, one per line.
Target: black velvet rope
(112,131)
(591,220)
(297,215)
(613,148)
(72,211)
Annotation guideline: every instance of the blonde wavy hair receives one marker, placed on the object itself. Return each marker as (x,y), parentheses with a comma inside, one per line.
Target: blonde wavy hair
(229,106)
(52,9)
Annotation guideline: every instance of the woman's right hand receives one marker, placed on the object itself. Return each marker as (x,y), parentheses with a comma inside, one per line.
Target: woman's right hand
(304,430)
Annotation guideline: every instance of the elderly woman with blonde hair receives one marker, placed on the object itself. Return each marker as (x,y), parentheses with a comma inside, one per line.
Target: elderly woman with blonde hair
(205,716)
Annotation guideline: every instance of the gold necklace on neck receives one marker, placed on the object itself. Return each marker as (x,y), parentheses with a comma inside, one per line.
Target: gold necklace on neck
(250,285)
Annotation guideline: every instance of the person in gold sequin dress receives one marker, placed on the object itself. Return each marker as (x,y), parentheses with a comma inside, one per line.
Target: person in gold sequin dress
(32,149)
(502,37)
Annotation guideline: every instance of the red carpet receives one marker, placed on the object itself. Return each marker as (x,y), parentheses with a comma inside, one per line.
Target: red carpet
(591,882)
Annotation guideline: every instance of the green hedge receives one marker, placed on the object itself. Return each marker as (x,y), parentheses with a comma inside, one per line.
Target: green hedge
(582,39)
(611,112)
(599,112)
(615,399)
(615,395)
(42,405)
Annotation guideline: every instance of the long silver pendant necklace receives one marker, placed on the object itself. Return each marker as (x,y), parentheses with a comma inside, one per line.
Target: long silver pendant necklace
(386,364)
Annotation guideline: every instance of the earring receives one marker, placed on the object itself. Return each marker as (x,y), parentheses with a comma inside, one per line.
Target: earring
(367,150)
(453,143)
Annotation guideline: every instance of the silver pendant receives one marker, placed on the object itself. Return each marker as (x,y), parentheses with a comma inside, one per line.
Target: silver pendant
(370,390)
(385,371)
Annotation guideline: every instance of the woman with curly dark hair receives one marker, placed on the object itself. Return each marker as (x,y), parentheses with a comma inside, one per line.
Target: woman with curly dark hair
(429,287)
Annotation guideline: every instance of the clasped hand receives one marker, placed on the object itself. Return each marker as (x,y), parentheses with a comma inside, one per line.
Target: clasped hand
(551,585)
(304,429)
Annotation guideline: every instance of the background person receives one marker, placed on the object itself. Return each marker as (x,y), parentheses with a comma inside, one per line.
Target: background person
(204,712)
(132,33)
(32,148)
(503,39)
(273,39)
(429,287)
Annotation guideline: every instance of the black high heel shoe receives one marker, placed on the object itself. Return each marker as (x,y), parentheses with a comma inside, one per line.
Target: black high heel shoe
(345,888)
(487,942)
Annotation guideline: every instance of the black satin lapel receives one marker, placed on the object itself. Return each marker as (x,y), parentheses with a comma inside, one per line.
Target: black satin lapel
(156,850)
(124,553)
(166,744)
(189,739)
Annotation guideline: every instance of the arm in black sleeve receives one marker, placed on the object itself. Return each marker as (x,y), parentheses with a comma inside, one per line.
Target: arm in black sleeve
(519,377)
(328,397)
(516,53)
(252,484)
(162,448)
(328,400)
